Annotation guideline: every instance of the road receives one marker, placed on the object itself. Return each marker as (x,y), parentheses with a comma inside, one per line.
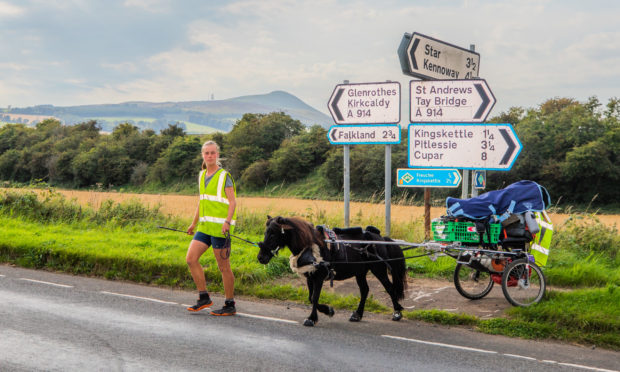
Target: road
(51,321)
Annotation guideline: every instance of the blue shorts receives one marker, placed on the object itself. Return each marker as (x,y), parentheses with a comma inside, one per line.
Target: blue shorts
(212,241)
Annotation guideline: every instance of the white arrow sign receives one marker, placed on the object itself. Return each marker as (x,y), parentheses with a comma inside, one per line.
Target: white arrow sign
(387,134)
(430,58)
(368,103)
(464,146)
(450,100)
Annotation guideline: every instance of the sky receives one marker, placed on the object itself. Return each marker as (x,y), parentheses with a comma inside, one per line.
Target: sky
(78,52)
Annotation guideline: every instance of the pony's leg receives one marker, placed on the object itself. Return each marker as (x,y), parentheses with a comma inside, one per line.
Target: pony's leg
(380,271)
(317,284)
(327,310)
(362,283)
(310,288)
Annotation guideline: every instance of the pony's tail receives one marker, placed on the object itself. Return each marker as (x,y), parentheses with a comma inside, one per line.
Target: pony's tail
(399,270)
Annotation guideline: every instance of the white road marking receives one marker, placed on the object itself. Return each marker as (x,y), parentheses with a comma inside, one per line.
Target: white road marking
(139,297)
(267,318)
(48,283)
(587,367)
(495,352)
(2,276)
(520,356)
(441,344)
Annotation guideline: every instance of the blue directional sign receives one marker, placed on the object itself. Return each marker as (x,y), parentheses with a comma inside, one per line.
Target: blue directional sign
(407,177)
(480,179)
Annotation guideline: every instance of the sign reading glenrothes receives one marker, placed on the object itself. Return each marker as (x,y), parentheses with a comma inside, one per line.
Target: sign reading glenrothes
(465,146)
(368,103)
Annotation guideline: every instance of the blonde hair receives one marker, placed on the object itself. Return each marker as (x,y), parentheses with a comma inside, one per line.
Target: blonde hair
(217,147)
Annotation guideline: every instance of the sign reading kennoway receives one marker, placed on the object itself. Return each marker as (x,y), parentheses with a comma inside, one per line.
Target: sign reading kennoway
(450,100)
(429,58)
(464,146)
(367,103)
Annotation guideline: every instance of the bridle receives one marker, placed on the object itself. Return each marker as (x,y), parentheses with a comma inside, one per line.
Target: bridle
(279,245)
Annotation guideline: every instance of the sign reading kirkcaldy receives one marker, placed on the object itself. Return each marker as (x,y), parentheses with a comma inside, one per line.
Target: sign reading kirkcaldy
(428,177)
(387,134)
(450,100)
(428,58)
(368,103)
(464,146)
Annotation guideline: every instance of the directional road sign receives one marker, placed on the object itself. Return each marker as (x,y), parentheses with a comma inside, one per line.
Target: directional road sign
(450,100)
(480,179)
(428,177)
(463,146)
(387,134)
(368,103)
(428,58)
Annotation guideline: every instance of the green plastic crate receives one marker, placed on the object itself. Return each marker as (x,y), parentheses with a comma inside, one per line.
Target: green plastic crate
(450,231)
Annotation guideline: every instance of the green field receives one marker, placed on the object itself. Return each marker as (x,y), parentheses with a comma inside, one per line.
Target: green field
(122,241)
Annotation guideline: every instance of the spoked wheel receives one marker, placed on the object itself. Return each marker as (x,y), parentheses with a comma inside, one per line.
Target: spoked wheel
(523,283)
(472,283)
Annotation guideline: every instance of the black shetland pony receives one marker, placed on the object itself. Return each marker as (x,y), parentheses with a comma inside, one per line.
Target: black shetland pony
(318,262)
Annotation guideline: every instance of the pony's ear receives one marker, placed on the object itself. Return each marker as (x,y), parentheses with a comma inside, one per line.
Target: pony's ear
(281,220)
(269,217)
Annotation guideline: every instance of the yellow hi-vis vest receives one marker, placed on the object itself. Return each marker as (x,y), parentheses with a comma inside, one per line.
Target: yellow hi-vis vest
(214,204)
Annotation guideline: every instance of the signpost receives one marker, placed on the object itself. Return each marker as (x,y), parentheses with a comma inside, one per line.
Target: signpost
(367,103)
(450,100)
(364,134)
(464,146)
(428,177)
(428,58)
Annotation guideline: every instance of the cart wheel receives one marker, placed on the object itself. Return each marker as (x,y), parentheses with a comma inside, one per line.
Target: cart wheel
(472,283)
(523,286)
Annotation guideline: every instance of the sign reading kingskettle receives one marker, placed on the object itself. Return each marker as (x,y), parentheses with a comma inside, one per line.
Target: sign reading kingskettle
(367,103)
(463,146)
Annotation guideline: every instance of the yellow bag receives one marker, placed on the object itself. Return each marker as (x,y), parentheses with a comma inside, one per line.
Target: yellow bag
(542,240)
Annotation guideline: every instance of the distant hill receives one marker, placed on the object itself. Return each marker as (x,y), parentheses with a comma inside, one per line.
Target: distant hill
(196,116)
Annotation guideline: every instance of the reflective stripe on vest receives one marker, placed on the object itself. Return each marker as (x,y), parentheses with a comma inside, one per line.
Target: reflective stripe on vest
(214,204)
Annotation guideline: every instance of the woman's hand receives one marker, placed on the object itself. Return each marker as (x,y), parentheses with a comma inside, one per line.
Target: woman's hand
(225,227)
(190,229)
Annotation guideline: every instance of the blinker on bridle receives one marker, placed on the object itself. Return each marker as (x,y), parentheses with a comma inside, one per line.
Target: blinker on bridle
(274,252)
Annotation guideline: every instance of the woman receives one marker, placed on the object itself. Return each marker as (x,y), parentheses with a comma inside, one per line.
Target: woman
(215,219)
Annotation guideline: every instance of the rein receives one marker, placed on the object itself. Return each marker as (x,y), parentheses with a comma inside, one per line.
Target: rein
(227,235)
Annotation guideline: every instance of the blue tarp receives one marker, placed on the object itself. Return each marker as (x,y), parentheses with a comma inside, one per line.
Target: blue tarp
(516,198)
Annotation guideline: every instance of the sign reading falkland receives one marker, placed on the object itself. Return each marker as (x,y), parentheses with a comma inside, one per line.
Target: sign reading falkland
(387,134)
(428,177)
(464,146)
(450,100)
(429,58)
(367,103)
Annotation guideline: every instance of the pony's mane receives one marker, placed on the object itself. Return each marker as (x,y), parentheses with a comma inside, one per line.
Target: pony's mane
(305,233)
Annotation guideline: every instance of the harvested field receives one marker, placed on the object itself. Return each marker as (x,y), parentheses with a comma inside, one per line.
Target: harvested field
(185,206)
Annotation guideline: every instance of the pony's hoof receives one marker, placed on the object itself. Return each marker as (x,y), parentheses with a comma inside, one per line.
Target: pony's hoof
(331,312)
(309,323)
(397,316)
(355,317)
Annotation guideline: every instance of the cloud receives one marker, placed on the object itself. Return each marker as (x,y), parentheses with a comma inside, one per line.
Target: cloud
(10,10)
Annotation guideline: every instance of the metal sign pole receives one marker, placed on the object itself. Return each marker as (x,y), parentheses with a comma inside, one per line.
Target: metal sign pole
(474,191)
(347,173)
(388,188)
